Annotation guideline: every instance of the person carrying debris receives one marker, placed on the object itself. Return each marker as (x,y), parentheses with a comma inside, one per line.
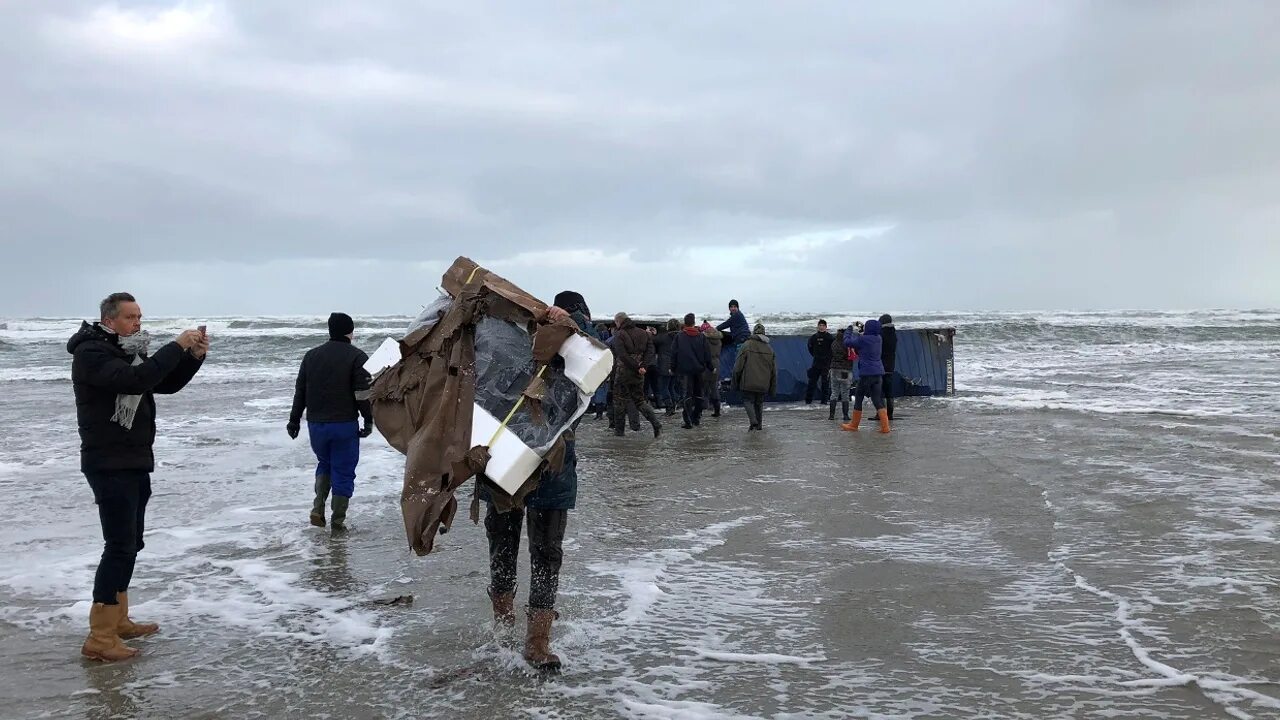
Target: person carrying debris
(487,353)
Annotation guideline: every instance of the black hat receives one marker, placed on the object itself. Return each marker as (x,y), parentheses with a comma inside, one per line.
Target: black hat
(570,301)
(341,325)
(886,319)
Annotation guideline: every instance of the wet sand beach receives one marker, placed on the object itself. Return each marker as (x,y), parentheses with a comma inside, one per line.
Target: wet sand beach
(977,562)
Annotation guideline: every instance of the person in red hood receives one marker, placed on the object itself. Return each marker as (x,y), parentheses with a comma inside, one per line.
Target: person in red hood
(691,361)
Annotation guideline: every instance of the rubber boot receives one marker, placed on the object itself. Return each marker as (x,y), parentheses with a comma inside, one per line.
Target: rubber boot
(103,643)
(317,505)
(832,415)
(504,610)
(633,417)
(338,523)
(671,409)
(715,408)
(128,629)
(884,420)
(852,426)
(620,430)
(537,641)
(844,408)
(653,420)
(686,414)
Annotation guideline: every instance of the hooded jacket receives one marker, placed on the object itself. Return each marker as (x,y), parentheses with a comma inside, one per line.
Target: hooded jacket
(868,345)
(632,347)
(101,370)
(840,355)
(756,369)
(715,343)
(692,356)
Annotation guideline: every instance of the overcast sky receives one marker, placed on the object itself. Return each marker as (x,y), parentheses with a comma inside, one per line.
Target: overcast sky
(277,157)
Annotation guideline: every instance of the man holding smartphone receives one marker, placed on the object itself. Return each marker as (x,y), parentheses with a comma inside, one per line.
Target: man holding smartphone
(114,379)
(333,389)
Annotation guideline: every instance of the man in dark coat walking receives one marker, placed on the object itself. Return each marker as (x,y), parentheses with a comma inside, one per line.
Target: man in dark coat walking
(632,356)
(692,360)
(333,388)
(115,381)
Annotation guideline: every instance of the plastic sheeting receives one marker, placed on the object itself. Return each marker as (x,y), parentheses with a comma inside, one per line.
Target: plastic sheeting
(430,315)
(504,367)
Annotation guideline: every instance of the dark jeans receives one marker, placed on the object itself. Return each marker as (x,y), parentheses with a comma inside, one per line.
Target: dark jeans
(888,393)
(122,497)
(869,386)
(819,379)
(693,400)
(546,552)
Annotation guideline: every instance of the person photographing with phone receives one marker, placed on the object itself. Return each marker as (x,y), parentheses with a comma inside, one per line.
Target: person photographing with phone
(115,378)
(333,389)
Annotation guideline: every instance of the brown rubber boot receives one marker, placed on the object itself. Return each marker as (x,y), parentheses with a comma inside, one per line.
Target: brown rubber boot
(884,420)
(537,641)
(128,629)
(103,644)
(852,425)
(504,610)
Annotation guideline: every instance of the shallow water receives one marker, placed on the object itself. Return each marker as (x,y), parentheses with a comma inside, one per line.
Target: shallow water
(990,558)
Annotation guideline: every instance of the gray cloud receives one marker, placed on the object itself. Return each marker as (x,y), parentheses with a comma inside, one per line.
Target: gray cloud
(263,160)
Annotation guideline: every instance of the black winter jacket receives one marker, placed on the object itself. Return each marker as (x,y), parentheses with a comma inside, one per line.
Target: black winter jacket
(692,357)
(888,347)
(664,349)
(820,349)
(101,370)
(332,384)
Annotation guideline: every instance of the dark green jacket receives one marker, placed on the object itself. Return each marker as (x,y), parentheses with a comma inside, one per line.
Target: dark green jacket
(756,369)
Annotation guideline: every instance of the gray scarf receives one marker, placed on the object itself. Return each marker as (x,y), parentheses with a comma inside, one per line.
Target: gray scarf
(127,405)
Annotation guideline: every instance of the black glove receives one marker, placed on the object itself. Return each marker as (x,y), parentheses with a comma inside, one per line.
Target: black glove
(366,431)
(293,429)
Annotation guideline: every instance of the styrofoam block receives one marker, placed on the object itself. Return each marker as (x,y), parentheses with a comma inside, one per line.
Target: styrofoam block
(511,462)
(586,362)
(387,354)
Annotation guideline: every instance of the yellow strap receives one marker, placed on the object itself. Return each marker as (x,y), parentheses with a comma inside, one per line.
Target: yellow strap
(512,414)
(472,275)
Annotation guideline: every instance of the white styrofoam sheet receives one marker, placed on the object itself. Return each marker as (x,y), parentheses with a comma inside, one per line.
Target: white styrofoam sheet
(387,354)
(511,462)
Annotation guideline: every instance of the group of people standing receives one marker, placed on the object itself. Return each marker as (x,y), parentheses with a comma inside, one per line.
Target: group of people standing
(871,348)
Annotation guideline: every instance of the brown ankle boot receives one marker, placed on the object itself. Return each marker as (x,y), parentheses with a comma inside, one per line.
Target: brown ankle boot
(537,641)
(103,644)
(852,425)
(884,420)
(504,609)
(128,629)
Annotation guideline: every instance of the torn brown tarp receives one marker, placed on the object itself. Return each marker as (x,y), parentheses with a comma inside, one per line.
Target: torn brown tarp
(423,404)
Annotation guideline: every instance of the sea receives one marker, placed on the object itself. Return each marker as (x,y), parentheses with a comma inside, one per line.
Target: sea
(1088,528)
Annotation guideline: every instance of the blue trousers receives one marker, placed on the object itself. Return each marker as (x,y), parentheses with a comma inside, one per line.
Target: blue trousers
(337,449)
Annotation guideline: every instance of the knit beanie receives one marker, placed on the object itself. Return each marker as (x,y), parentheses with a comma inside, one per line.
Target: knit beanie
(758,329)
(341,325)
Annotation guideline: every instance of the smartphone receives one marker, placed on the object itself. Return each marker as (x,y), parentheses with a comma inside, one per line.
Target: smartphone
(203,330)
